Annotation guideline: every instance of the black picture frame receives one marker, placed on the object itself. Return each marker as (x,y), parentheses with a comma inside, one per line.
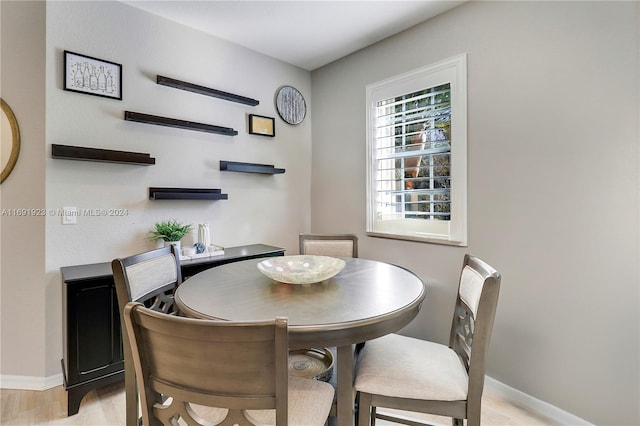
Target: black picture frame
(92,76)
(261,125)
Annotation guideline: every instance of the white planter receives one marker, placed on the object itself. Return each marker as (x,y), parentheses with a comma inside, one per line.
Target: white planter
(175,243)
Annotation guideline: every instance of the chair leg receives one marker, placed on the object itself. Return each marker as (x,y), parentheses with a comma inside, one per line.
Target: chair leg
(364,410)
(131,396)
(473,414)
(473,421)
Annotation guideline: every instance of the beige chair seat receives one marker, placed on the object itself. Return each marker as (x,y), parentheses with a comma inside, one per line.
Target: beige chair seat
(434,371)
(309,405)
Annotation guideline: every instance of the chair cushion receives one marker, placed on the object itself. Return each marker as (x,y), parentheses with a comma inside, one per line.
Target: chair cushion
(309,404)
(471,283)
(150,275)
(405,367)
(339,248)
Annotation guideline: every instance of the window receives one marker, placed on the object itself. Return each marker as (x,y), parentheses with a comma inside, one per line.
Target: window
(417,155)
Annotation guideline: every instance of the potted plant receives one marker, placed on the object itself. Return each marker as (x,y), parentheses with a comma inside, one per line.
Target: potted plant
(170,231)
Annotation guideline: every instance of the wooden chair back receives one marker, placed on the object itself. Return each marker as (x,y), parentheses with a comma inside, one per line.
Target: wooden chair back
(150,278)
(234,365)
(337,245)
(473,319)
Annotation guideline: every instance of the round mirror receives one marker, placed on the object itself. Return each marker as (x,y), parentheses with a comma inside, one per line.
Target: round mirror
(10,134)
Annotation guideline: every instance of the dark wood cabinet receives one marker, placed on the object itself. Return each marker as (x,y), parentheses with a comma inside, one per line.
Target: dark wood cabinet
(92,343)
(92,336)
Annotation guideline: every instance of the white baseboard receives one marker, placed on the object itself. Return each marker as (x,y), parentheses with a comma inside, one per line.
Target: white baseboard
(533,404)
(30,382)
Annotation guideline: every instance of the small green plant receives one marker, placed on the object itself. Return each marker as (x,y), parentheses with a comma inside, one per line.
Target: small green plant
(169,230)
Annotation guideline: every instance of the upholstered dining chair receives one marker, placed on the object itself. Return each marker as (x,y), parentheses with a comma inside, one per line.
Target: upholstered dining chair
(415,375)
(237,369)
(150,278)
(338,245)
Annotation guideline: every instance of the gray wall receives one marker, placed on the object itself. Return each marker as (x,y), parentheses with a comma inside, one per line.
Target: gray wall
(22,86)
(260,209)
(553,188)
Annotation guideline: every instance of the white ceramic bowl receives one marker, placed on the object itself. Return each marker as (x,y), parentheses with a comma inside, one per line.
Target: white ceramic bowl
(301,269)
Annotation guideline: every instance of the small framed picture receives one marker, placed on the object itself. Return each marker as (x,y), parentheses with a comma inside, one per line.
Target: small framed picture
(92,76)
(260,125)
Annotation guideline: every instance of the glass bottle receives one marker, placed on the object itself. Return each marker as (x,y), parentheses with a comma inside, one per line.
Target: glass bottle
(94,78)
(102,80)
(109,82)
(77,77)
(85,76)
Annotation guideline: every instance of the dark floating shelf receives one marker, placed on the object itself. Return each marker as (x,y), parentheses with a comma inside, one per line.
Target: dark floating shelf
(233,166)
(186,194)
(190,87)
(68,152)
(180,124)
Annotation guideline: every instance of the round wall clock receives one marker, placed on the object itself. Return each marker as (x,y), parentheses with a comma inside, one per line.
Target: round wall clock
(291,105)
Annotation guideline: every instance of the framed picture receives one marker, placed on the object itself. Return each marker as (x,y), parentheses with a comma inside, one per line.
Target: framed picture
(260,125)
(92,76)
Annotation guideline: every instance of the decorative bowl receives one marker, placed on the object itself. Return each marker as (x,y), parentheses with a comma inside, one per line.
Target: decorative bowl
(301,269)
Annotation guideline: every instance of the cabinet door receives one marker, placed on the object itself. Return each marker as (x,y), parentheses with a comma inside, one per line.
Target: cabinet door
(94,330)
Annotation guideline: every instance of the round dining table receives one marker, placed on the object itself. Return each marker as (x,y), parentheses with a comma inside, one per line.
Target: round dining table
(366,300)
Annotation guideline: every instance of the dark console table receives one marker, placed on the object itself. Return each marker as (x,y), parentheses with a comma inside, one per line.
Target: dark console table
(92,335)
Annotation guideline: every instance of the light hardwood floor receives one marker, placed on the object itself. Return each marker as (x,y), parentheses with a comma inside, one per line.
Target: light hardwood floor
(105,407)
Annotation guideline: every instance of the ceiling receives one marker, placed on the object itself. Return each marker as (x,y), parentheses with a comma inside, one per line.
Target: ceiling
(308,34)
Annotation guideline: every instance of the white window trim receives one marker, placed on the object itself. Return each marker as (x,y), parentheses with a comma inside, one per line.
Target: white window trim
(454,231)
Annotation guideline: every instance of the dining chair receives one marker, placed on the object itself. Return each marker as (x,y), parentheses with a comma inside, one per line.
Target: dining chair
(338,245)
(410,374)
(239,370)
(150,278)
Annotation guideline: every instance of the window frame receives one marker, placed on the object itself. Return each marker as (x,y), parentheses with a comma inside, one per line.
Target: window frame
(450,232)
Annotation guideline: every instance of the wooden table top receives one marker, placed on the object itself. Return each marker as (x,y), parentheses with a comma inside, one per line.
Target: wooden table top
(367,299)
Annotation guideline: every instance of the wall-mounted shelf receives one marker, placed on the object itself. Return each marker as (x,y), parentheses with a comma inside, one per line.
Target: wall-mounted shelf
(68,152)
(190,87)
(234,166)
(186,194)
(180,124)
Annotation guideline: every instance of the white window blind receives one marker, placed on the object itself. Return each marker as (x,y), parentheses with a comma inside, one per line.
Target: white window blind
(413,143)
(417,150)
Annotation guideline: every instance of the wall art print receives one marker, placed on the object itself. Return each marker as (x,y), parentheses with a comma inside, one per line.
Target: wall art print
(261,125)
(291,105)
(93,76)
